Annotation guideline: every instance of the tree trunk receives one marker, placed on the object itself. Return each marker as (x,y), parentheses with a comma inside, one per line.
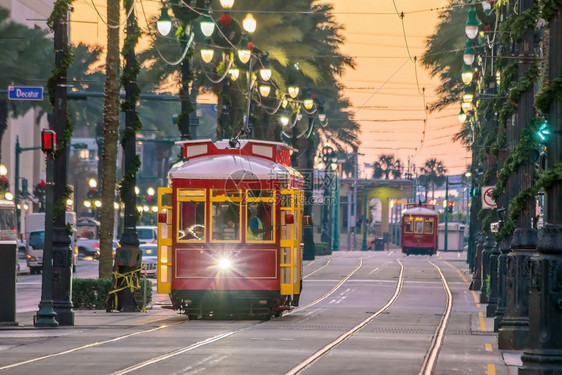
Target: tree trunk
(110,135)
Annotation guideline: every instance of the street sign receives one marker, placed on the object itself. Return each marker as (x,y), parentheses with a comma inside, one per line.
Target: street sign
(487,200)
(34,93)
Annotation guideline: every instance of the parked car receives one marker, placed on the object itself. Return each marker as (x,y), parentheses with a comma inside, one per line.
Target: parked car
(147,234)
(149,259)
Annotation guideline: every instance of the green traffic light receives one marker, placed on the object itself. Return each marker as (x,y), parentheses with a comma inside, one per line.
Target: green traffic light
(543,131)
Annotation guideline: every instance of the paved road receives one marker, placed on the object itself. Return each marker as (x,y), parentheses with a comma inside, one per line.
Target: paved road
(340,292)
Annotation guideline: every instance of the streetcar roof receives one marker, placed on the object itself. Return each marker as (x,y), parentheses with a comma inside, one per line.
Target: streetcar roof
(236,167)
(419,211)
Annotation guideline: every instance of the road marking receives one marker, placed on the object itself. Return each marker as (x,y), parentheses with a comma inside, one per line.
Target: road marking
(475,296)
(491,369)
(482,321)
(488,347)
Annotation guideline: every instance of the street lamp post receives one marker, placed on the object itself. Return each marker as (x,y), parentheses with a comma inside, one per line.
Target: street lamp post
(543,354)
(46,314)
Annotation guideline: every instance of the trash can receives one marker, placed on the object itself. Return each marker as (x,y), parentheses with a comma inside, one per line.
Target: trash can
(379,244)
(8,264)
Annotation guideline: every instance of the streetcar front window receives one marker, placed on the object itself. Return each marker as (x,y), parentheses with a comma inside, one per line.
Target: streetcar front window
(191,215)
(408,225)
(418,225)
(259,215)
(428,225)
(226,215)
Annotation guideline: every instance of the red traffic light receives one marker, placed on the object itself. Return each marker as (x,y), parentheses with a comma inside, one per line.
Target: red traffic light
(48,140)
(449,204)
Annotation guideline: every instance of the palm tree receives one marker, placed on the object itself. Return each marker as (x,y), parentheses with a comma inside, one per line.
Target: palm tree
(387,166)
(110,133)
(432,174)
(25,52)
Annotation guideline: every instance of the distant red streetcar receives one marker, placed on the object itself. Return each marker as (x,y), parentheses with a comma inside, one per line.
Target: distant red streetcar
(419,229)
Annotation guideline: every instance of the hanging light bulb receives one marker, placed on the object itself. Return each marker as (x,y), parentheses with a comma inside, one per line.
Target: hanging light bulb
(486,7)
(249,23)
(468,54)
(467,74)
(265,72)
(284,120)
(234,73)
(293,91)
(498,77)
(206,52)
(164,23)
(462,116)
(284,102)
(466,106)
(207,26)
(321,113)
(265,89)
(308,103)
(299,116)
(227,4)
(471,27)
(244,52)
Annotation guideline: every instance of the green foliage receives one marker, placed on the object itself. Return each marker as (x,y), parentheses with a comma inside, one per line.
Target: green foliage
(550,91)
(90,294)
(322,248)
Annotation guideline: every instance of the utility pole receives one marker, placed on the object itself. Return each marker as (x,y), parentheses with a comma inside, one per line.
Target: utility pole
(446,212)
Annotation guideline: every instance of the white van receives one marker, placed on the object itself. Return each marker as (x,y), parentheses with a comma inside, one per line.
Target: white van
(35,239)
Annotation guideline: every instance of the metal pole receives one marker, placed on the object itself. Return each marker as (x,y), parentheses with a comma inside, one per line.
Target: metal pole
(62,253)
(336,241)
(349,220)
(249,98)
(46,314)
(365,204)
(446,212)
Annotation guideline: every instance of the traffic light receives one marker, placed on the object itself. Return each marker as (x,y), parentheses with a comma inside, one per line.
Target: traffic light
(48,141)
(449,206)
(543,132)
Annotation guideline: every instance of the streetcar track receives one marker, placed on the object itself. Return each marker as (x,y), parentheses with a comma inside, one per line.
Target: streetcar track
(179,350)
(323,351)
(91,345)
(430,359)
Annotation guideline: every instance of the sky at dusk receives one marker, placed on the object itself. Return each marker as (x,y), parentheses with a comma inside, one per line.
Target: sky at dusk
(389,88)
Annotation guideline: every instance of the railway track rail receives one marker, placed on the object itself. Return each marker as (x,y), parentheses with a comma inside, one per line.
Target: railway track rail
(427,367)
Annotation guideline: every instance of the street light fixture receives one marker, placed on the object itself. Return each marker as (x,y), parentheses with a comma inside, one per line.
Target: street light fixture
(207,27)
(471,27)
(206,52)
(467,74)
(164,23)
(468,54)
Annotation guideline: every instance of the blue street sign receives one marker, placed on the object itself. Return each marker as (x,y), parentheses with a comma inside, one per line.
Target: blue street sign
(25,93)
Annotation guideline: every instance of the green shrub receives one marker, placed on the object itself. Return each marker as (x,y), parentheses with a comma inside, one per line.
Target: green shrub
(91,294)
(322,248)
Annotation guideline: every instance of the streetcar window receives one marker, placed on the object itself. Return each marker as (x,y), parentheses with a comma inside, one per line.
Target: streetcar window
(428,225)
(418,226)
(226,209)
(191,222)
(259,215)
(408,225)
(191,215)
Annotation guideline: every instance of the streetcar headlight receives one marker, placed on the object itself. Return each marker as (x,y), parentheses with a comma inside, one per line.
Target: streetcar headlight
(224,264)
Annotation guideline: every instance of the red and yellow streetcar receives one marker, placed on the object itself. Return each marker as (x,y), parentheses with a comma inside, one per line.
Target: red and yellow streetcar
(230,228)
(419,229)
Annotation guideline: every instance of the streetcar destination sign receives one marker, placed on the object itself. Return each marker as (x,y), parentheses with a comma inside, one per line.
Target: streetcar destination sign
(25,93)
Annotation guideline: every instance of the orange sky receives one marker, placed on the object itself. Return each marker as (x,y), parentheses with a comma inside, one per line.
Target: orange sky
(386,88)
